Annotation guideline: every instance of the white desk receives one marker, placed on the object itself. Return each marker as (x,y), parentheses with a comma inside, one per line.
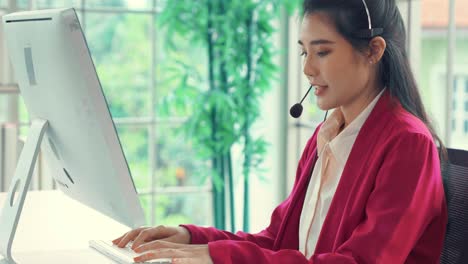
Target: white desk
(56,229)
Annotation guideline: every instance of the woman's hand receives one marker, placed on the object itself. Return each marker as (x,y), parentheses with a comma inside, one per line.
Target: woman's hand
(179,253)
(143,235)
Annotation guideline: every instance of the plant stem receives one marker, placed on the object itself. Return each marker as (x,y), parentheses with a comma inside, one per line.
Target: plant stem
(218,194)
(247,124)
(231,192)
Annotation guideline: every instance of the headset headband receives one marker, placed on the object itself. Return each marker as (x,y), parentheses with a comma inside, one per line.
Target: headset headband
(369,32)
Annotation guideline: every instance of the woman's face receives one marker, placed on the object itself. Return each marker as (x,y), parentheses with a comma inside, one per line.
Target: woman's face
(340,74)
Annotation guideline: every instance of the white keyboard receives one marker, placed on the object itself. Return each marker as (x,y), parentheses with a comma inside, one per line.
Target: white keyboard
(121,255)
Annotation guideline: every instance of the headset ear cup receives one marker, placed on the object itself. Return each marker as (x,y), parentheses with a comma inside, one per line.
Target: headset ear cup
(368,33)
(374,32)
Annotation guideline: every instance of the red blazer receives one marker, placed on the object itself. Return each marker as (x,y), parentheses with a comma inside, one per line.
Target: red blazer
(389,206)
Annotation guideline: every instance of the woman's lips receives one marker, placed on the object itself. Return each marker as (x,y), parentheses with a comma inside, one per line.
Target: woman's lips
(319,90)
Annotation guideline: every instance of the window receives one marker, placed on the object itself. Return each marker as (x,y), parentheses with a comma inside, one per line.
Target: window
(435,57)
(466,126)
(466,107)
(125,46)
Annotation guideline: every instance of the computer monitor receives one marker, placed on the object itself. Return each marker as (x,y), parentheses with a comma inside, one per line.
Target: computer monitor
(70,116)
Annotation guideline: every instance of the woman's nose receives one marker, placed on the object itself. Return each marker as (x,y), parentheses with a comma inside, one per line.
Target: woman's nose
(310,69)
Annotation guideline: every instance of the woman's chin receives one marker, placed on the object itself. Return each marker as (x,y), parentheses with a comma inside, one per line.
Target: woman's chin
(324,105)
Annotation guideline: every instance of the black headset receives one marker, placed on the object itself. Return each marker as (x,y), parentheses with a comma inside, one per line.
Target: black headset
(296,110)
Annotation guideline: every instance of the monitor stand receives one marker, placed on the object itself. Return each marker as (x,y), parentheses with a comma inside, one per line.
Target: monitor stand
(19,187)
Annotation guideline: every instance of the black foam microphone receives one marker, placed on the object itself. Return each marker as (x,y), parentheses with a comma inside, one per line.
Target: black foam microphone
(296,110)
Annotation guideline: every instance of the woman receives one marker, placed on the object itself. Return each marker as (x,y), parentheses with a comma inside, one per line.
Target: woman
(368,186)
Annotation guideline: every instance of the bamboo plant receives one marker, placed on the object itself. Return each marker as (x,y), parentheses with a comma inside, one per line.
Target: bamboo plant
(237,38)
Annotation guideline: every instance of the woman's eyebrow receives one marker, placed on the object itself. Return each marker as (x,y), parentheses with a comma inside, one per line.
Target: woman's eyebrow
(317,42)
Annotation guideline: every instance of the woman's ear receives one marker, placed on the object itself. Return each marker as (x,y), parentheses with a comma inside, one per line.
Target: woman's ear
(377,47)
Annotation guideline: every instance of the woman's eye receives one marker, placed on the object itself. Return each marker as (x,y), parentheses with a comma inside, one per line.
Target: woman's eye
(323,53)
(303,54)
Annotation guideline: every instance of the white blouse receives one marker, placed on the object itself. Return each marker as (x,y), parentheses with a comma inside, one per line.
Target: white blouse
(333,148)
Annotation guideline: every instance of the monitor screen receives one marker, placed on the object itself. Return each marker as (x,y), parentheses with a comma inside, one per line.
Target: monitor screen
(58,81)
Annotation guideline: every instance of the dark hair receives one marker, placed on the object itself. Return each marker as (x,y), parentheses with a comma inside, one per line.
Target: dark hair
(350,18)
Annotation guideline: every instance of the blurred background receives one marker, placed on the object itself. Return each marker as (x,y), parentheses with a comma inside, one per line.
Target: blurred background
(200,93)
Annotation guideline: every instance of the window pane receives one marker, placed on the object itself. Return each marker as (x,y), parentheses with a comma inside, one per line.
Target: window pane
(433,76)
(134,141)
(460,140)
(181,73)
(22,4)
(176,161)
(42,4)
(434,67)
(433,60)
(175,209)
(128,4)
(120,47)
(434,13)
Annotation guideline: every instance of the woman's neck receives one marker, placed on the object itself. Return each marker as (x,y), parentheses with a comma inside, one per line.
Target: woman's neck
(351,111)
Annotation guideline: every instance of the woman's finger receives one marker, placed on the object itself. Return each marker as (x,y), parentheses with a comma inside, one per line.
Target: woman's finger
(117,240)
(170,253)
(130,236)
(150,234)
(159,244)
(198,254)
